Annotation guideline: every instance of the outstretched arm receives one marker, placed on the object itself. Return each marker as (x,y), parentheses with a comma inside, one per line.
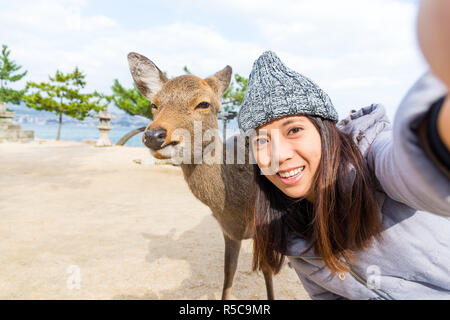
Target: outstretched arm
(412,163)
(434,39)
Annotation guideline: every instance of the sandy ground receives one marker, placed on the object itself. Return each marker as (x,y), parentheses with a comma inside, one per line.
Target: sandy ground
(79,222)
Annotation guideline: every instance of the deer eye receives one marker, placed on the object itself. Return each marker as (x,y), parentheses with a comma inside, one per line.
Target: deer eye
(153,106)
(203,105)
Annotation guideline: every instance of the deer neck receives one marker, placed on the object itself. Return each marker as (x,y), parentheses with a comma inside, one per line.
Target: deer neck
(206,183)
(206,179)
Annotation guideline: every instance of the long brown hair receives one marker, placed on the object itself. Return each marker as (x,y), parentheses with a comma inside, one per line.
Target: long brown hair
(343,218)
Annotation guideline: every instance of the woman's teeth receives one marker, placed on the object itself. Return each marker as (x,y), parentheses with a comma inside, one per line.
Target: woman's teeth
(291,173)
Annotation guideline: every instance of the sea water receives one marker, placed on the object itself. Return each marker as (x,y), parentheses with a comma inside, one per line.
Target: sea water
(80,133)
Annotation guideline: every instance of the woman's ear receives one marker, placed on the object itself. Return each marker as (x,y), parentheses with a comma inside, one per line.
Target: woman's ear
(220,81)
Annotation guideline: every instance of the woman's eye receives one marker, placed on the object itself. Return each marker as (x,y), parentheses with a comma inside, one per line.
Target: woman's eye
(259,142)
(202,105)
(295,130)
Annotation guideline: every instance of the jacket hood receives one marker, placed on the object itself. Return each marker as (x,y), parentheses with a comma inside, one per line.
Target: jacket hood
(365,125)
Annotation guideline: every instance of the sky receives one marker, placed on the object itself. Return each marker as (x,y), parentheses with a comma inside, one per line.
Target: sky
(359,51)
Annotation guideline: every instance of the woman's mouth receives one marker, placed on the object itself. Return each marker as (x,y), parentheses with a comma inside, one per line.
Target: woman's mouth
(292,176)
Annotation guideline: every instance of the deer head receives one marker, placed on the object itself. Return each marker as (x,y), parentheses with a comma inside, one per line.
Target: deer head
(177,104)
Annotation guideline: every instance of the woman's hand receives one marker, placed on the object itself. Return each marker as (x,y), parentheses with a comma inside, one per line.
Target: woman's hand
(434,36)
(434,40)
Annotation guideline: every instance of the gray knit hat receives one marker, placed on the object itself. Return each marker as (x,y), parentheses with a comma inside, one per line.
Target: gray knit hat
(275,91)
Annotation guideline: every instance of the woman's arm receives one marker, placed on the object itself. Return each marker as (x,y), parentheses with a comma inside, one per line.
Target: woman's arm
(431,138)
(434,39)
(403,166)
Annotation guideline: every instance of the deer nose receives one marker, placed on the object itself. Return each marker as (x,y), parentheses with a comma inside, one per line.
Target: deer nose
(154,139)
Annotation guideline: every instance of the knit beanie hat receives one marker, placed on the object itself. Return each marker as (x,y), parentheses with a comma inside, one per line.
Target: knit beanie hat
(275,91)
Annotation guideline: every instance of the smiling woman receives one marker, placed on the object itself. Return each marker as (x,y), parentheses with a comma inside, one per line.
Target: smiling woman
(314,161)
(341,199)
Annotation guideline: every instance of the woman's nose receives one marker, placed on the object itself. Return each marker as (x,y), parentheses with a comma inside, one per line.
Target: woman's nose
(272,158)
(282,151)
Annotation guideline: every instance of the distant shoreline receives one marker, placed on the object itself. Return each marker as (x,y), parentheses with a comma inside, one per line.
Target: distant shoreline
(70,132)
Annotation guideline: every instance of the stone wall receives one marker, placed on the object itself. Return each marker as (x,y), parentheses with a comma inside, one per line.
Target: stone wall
(10,131)
(14,133)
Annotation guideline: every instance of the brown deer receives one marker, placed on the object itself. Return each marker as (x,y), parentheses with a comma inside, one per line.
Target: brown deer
(180,103)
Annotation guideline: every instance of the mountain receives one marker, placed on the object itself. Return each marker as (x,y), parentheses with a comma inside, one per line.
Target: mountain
(25,115)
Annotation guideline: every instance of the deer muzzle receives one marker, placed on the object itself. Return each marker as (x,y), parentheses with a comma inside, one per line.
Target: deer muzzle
(154,139)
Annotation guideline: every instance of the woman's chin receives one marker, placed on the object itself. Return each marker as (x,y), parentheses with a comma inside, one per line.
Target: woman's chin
(295,194)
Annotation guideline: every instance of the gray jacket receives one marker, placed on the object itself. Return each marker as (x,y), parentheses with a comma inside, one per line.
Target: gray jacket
(412,260)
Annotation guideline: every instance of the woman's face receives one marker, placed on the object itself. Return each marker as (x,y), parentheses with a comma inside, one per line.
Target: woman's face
(288,152)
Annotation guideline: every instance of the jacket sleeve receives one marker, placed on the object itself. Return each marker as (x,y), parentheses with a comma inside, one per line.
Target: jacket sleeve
(403,168)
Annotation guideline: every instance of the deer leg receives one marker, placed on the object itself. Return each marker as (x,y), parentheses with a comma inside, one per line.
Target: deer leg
(232,248)
(269,284)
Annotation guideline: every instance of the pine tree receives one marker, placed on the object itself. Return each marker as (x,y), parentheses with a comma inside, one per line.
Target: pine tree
(232,100)
(62,96)
(234,95)
(131,101)
(7,70)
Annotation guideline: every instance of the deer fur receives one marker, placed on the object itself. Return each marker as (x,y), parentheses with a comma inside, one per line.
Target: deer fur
(224,188)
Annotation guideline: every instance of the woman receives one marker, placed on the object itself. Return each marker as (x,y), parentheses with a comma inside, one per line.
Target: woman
(361,210)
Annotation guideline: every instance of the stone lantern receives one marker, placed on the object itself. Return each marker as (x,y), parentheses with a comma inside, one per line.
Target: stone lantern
(225,116)
(104,127)
(5,116)
(10,131)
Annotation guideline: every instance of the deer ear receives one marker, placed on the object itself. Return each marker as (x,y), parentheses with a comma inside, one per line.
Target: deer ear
(220,81)
(146,75)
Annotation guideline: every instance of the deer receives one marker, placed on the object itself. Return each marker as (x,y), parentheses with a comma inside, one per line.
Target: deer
(179,103)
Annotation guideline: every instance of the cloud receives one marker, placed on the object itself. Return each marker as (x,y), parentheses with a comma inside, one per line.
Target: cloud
(46,35)
(50,16)
(359,51)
